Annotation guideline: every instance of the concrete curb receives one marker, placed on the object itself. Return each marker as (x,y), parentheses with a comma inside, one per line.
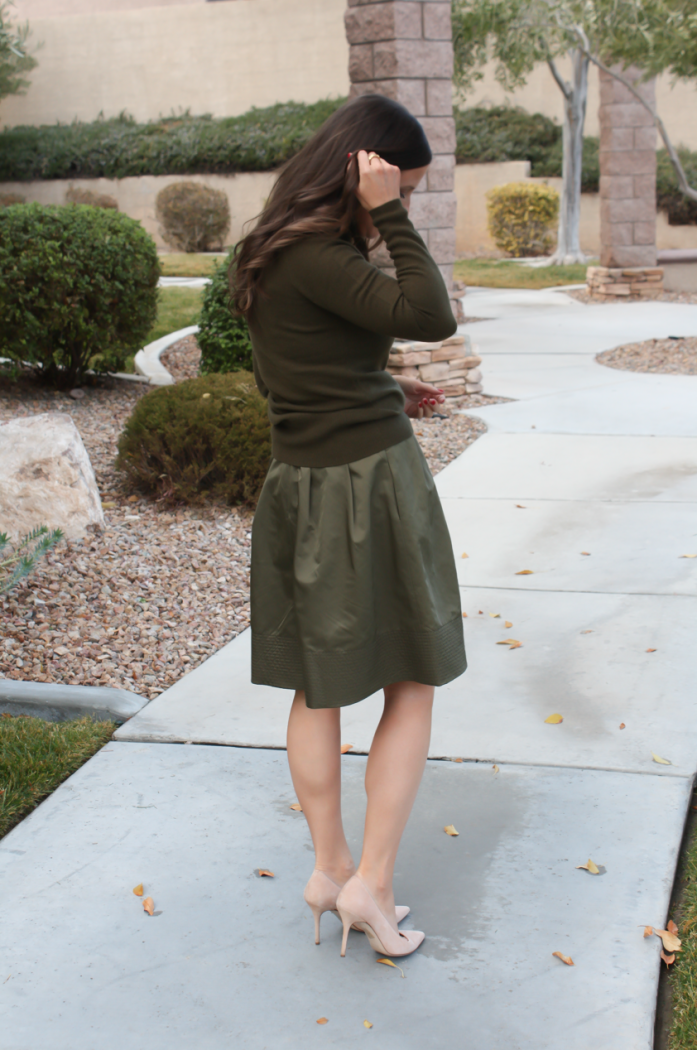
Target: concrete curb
(58,703)
(147,360)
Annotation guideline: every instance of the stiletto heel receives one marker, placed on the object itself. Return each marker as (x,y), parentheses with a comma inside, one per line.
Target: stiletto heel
(357,906)
(320,896)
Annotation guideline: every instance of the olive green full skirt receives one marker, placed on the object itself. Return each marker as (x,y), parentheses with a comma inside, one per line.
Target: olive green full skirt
(353,579)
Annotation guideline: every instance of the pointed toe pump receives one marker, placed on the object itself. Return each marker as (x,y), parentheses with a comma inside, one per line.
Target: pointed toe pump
(321,893)
(358,909)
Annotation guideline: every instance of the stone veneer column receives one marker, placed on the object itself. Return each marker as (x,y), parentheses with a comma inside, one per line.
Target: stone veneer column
(403,49)
(627,173)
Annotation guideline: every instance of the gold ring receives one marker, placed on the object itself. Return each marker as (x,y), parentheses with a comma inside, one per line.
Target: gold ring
(371,155)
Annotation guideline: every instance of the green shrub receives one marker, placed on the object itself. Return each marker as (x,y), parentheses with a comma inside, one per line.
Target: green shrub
(203,438)
(551,167)
(193,217)
(223,335)
(498,133)
(78,288)
(80,195)
(258,140)
(681,210)
(521,215)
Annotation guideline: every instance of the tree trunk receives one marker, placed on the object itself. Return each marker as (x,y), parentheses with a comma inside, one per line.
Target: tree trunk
(575,99)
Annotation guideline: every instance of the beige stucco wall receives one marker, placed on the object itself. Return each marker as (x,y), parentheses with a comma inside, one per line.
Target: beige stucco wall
(247,192)
(676,104)
(31,9)
(220,58)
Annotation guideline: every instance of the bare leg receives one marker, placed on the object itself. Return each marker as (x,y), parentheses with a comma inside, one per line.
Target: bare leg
(314,757)
(393,774)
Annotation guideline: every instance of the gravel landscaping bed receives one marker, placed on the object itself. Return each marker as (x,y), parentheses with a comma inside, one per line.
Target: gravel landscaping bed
(674,355)
(666,297)
(142,602)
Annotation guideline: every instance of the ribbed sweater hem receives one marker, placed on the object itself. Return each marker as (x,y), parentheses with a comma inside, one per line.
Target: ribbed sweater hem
(346,446)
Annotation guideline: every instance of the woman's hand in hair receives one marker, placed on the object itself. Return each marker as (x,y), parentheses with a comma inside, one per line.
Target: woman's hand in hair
(378,181)
(421,399)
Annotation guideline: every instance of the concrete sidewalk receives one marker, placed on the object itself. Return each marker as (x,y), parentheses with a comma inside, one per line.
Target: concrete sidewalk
(588,459)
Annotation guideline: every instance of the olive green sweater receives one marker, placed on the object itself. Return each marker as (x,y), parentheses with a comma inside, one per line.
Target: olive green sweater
(322,331)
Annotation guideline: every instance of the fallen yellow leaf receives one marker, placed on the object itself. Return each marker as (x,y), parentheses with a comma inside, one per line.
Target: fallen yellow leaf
(509,641)
(149,905)
(590,866)
(322,1020)
(651,650)
(388,962)
(263,871)
(566,959)
(464,555)
(661,761)
(367,1024)
(495,616)
(688,555)
(108,504)
(672,928)
(345,748)
(464,616)
(495,769)
(138,890)
(449,829)
(520,506)
(589,631)
(516,645)
(459,760)
(587,553)
(297,806)
(508,624)
(524,572)
(671,942)
(648,931)
(622,725)
(554,720)
(668,959)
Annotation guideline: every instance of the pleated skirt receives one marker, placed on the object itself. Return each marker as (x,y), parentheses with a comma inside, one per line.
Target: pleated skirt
(353,583)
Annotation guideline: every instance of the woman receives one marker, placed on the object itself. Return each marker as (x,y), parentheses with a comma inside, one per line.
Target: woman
(353,579)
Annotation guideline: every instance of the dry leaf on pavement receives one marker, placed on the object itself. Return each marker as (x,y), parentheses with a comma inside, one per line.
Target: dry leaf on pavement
(296,806)
(587,553)
(688,555)
(590,867)
(458,760)
(648,931)
(554,720)
(589,631)
(149,905)
(345,748)
(672,928)
(495,616)
(671,942)
(661,761)
(367,1024)
(668,959)
(524,572)
(449,829)
(495,769)
(652,650)
(508,624)
(564,958)
(520,506)
(622,725)
(263,871)
(138,890)
(322,1020)
(388,962)
(464,555)
(513,643)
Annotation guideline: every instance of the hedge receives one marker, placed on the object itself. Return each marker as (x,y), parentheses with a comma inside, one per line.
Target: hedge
(263,139)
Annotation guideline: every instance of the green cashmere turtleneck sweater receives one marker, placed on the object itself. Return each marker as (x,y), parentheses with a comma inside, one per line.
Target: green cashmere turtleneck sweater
(322,331)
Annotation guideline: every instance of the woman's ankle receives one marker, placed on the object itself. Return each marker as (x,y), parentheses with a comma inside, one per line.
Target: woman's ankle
(340,872)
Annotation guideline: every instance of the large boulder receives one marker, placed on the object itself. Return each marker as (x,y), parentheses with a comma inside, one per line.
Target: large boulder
(46,477)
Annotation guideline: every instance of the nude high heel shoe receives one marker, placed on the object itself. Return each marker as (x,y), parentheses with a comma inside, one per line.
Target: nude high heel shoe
(321,893)
(357,908)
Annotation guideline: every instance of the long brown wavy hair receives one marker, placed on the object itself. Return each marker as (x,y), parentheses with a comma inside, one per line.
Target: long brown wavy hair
(315,192)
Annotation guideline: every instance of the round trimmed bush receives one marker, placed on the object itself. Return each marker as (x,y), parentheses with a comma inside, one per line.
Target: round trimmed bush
(203,438)
(78,289)
(223,335)
(521,217)
(193,217)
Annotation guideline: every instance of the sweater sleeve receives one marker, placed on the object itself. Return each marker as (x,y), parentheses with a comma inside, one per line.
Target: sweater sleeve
(335,276)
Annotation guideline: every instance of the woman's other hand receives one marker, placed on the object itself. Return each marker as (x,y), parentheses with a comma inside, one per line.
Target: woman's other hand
(421,398)
(379,182)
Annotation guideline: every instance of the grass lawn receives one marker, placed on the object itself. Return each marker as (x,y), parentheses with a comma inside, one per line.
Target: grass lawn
(182,264)
(680,1002)
(503,273)
(176,308)
(37,756)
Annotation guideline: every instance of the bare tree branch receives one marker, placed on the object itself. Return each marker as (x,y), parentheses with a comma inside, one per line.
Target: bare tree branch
(675,159)
(563,86)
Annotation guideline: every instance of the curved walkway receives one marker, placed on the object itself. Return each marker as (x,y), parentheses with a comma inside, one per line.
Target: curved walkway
(587,484)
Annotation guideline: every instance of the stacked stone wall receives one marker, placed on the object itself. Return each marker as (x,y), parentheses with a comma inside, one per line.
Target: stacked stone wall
(452,365)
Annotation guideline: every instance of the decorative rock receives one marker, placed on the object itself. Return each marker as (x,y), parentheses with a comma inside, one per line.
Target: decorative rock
(46,477)
(635,282)
(451,365)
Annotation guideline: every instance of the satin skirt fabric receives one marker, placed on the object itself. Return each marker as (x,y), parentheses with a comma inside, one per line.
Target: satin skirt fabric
(353,579)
